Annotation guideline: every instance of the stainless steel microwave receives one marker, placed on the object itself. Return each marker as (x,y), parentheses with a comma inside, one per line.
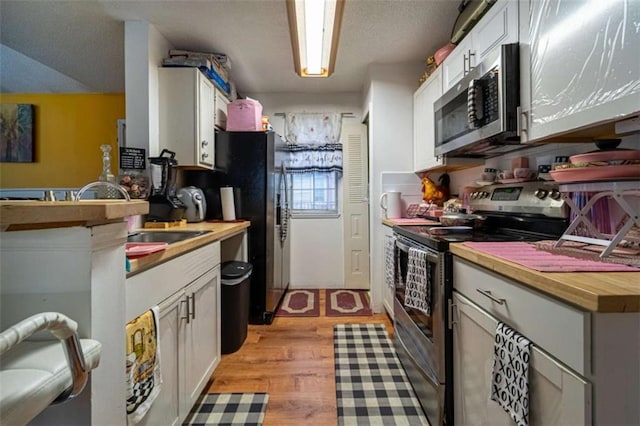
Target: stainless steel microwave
(478,117)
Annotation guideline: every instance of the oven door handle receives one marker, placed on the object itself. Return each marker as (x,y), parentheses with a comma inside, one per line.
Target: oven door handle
(405,248)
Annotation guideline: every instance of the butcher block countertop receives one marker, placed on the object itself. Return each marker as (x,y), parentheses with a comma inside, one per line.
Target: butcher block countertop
(409,221)
(16,215)
(592,291)
(221,231)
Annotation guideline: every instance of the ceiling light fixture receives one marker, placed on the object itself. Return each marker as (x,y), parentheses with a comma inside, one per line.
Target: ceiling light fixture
(314,26)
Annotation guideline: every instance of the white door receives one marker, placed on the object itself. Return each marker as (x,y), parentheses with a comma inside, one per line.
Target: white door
(356,206)
(556,395)
(202,340)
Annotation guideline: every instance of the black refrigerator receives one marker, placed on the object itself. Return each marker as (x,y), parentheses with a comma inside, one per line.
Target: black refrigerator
(253,164)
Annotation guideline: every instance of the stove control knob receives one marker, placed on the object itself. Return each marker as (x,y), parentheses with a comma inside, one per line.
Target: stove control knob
(540,193)
(485,194)
(474,195)
(555,194)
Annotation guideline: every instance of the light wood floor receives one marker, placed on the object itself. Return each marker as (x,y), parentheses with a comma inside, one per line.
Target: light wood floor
(292,360)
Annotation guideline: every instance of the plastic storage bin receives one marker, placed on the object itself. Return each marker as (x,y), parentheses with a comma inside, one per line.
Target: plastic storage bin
(236,281)
(244,115)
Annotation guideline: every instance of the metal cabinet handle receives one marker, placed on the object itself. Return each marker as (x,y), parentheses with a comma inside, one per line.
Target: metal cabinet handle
(464,64)
(193,305)
(470,54)
(188,317)
(488,294)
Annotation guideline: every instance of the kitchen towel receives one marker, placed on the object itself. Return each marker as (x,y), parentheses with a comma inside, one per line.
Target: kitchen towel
(228,206)
(390,261)
(143,364)
(510,382)
(417,292)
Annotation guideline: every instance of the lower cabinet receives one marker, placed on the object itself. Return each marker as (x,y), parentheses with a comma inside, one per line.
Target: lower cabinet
(189,328)
(557,395)
(388,293)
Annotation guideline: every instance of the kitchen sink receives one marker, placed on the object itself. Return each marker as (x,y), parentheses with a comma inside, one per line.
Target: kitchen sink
(163,236)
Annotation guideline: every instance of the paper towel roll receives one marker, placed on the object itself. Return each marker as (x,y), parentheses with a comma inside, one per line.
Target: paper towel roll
(228,206)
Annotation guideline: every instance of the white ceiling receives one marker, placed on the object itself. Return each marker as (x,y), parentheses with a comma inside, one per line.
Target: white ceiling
(84,39)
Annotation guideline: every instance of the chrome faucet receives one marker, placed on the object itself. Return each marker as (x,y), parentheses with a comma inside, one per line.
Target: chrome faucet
(102,183)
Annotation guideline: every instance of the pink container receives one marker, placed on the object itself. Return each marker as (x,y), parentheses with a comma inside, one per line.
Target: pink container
(244,115)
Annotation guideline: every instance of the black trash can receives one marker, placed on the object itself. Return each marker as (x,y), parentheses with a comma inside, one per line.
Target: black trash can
(236,282)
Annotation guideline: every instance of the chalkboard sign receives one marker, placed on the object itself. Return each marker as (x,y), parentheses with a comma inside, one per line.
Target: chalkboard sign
(132,158)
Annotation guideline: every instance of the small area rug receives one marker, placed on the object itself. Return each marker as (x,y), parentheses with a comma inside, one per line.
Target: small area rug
(371,385)
(300,303)
(341,303)
(229,409)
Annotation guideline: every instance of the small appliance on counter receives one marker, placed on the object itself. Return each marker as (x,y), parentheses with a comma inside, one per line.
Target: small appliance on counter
(194,200)
(164,205)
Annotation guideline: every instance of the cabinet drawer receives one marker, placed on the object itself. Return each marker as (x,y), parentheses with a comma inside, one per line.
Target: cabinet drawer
(150,287)
(560,329)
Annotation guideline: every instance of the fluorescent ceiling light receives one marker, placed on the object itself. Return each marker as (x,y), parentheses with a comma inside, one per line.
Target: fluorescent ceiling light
(314,26)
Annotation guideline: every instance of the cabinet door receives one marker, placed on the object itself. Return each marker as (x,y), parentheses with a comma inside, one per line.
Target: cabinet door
(423,122)
(220,118)
(387,293)
(456,65)
(556,395)
(166,408)
(202,334)
(206,124)
(498,26)
(595,44)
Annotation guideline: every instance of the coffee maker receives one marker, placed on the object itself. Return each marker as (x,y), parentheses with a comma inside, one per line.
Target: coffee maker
(164,205)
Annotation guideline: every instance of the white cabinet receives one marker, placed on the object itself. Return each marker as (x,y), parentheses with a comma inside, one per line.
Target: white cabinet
(220,116)
(388,293)
(579,66)
(202,345)
(498,26)
(186,115)
(424,156)
(187,292)
(557,396)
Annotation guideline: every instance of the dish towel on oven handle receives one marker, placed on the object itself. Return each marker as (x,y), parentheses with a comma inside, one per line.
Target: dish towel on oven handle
(143,364)
(417,292)
(390,261)
(510,382)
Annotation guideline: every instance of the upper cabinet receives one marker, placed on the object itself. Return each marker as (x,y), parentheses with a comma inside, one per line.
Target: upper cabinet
(498,26)
(579,65)
(423,122)
(186,115)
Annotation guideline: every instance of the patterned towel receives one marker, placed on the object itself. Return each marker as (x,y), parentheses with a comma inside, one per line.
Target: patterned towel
(143,364)
(390,261)
(418,286)
(510,384)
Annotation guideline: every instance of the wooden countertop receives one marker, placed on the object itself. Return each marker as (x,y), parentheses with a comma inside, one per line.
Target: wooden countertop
(592,291)
(16,215)
(221,231)
(408,221)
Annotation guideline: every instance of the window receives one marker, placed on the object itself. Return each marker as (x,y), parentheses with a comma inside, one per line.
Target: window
(314,194)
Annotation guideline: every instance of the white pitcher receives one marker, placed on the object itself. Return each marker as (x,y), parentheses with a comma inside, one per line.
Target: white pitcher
(391,203)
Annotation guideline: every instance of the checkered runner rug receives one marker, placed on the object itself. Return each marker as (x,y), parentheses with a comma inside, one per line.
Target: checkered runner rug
(229,409)
(371,385)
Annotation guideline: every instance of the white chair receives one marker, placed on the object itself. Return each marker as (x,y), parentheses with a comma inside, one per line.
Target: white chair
(37,373)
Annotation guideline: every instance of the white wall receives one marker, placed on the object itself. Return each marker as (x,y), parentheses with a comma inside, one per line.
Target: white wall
(317,253)
(144,49)
(388,102)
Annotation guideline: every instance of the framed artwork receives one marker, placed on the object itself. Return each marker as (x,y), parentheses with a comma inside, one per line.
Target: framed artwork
(16,138)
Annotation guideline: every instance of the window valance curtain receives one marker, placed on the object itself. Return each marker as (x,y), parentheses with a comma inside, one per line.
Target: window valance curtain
(314,142)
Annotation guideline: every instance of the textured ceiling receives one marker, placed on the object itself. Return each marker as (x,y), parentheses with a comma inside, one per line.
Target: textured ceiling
(84,40)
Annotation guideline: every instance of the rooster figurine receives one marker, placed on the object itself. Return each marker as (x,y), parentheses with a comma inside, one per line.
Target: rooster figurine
(433,193)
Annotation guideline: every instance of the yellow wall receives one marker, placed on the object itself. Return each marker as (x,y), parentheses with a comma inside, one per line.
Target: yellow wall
(69,130)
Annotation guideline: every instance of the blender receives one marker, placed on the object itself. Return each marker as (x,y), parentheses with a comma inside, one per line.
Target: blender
(164,205)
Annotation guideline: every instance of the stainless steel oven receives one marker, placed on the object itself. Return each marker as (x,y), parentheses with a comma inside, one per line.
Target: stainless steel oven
(421,339)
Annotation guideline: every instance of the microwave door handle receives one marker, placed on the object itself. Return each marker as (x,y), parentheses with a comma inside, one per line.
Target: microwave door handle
(475,110)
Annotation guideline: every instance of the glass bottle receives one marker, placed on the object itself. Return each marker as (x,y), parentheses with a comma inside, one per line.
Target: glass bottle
(106,175)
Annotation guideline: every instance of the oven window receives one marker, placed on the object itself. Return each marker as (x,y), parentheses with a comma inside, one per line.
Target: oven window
(422,320)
